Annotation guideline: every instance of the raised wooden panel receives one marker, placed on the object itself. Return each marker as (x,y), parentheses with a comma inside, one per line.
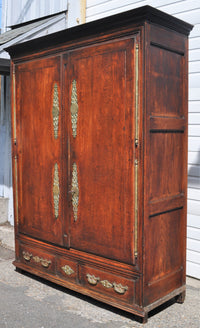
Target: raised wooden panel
(102,150)
(166,75)
(39,149)
(165,165)
(164,252)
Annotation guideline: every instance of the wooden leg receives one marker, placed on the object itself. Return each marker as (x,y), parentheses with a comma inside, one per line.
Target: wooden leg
(145,318)
(180,298)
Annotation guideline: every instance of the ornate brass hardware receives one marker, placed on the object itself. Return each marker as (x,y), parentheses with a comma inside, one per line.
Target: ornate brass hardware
(27,256)
(36,259)
(106,284)
(74,109)
(92,279)
(45,263)
(68,270)
(56,190)
(75,191)
(118,288)
(55,110)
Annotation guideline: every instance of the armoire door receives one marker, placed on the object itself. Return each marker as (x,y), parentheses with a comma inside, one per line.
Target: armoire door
(38,139)
(101,128)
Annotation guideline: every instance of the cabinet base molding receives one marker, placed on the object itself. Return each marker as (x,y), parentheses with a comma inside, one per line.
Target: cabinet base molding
(134,309)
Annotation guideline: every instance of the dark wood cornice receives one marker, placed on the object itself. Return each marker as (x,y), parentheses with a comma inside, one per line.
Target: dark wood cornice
(138,15)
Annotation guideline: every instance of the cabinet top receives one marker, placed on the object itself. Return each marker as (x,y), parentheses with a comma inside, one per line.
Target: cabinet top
(131,18)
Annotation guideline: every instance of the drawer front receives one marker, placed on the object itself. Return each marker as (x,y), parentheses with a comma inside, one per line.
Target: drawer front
(67,269)
(108,283)
(37,258)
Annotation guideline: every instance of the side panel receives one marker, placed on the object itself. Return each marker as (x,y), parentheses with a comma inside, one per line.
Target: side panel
(38,141)
(166,165)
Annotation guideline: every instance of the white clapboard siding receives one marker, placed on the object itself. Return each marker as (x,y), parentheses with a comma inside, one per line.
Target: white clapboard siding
(194,67)
(193,256)
(193,221)
(194,118)
(192,269)
(193,233)
(193,245)
(194,54)
(193,182)
(20,11)
(194,206)
(194,170)
(194,107)
(194,194)
(194,157)
(194,143)
(193,130)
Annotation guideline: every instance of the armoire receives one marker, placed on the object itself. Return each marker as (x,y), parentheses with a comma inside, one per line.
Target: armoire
(99,135)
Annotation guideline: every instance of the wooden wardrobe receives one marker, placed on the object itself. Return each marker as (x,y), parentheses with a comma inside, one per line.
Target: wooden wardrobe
(99,134)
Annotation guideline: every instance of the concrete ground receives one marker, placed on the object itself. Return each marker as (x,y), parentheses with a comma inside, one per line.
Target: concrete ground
(30,302)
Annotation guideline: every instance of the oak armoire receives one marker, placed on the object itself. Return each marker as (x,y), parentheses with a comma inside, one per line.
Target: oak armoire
(99,135)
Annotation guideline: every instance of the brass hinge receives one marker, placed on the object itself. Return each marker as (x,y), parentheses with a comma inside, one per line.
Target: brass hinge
(136,94)
(136,144)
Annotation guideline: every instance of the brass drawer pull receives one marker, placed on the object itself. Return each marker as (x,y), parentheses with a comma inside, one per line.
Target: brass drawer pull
(68,270)
(45,263)
(27,256)
(106,284)
(118,288)
(92,279)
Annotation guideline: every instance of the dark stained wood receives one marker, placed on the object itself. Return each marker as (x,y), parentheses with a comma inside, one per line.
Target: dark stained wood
(127,244)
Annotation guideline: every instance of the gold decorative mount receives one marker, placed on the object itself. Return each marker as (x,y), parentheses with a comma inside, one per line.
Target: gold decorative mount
(75,191)
(56,191)
(74,109)
(118,288)
(68,270)
(55,110)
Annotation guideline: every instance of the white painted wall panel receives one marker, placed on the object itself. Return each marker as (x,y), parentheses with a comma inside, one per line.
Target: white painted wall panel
(194,170)
(194,106)
(192,269)
(194,54)
(194,194)
(193,233)
(193,256)
(193,182)
(194,144)
(194,157)
(193,244)
(194,206)
(193,221)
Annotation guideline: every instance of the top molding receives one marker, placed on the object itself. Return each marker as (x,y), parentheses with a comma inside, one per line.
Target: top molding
(135,17)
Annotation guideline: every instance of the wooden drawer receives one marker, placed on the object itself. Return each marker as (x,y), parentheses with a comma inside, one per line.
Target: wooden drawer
(108,283)
(37,258)
(67,269)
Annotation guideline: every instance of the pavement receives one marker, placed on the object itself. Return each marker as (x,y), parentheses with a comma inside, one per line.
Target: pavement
(30,302)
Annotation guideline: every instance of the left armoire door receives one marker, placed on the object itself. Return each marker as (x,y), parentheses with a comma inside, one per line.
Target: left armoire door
(39,145)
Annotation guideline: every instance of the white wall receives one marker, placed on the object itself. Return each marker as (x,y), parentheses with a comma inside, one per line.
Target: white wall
(20,11)
(188,10)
